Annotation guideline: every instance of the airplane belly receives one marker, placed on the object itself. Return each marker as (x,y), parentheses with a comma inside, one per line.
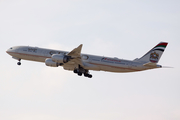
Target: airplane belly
(115,68)
(91,66)
(32,57)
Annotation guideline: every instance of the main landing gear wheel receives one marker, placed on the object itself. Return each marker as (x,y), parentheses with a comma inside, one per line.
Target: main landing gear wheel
(88,75)
(75,71)
(81,71)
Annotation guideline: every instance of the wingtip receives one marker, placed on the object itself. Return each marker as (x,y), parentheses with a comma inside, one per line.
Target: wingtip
(80,45)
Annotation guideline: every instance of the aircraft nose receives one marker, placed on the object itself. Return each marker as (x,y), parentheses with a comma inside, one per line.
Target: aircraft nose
(9,50)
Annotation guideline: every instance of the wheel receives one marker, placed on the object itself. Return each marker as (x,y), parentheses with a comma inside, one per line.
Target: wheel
(19,63)
(86,75)
(60,64)
(80,74)
(89,76)
(75,71)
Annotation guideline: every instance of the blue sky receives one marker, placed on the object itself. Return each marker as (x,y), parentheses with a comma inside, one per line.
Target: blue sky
(116,28)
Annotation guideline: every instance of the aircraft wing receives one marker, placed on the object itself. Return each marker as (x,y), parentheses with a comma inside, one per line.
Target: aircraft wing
(76,52)
(76,55)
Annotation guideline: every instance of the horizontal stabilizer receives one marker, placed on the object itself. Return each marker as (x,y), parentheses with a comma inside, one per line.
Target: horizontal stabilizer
(167,67)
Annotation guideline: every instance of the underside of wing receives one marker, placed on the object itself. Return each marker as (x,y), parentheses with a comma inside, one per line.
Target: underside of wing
(76,52)
(76,55)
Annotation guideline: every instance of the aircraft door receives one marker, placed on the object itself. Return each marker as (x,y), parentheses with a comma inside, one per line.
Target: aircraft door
(129,65)
(85,58)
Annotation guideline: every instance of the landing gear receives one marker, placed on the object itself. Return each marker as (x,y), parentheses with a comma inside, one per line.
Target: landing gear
(75,71)
(19,63)
(61,64)
(87,75)
(81,71)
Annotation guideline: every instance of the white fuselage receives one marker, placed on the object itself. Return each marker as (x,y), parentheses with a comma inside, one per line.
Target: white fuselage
(90,62)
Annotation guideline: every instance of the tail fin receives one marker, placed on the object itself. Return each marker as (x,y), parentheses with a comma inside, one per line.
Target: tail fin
(154,54)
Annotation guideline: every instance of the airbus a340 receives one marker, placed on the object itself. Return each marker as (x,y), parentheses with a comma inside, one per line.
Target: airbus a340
(82,63)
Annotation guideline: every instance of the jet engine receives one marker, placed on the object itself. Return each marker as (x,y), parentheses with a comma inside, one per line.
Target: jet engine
(60,58)
(51,63)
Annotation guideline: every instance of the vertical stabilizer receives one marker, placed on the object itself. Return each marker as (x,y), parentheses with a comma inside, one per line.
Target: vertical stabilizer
(154,54)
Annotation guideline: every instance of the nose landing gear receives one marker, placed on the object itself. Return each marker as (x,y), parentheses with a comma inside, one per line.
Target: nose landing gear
(19,63)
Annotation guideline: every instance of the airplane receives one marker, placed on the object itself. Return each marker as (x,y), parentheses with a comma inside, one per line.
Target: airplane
(82,63)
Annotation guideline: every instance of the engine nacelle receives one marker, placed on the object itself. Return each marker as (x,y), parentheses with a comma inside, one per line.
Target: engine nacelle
(60,58)
(51,63)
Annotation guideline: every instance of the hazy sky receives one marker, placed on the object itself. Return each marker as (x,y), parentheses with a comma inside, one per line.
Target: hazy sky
(117,28)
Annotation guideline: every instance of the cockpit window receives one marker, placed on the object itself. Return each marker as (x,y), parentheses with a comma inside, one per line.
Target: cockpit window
(11,48)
